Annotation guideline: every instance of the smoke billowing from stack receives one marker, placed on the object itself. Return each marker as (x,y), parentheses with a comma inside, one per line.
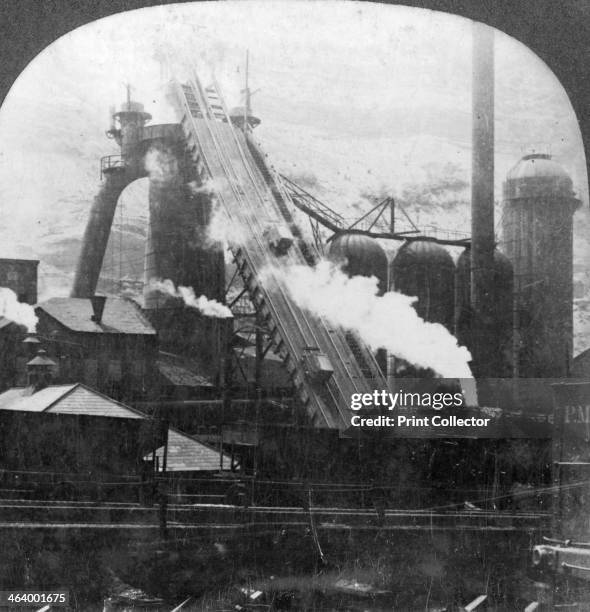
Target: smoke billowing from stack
(207,307)
(382,321)
(15,311)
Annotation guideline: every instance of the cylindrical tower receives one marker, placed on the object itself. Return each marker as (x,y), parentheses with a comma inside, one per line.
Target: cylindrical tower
(132,118)
(537,225)
(178,248)
(426,270)
(360,256)
(179,252)
(499,360)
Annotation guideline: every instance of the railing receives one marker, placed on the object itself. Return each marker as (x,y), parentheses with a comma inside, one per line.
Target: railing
(440,233)
(310,204)
(111,163)
(369,223)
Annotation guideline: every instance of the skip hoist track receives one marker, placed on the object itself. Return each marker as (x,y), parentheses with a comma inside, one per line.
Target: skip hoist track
(254,199)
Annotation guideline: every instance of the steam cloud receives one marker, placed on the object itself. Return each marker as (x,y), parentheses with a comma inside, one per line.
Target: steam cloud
(221,231)
(207,307)
(12,309)
(161,165)
(387,321)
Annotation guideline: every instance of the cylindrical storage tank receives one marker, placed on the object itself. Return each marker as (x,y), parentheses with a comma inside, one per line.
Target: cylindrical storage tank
(501,294)
(360,255)
(537,225)
(426,270)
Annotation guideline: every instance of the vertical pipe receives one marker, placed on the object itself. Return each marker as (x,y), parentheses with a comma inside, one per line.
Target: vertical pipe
(392,215)
(482,191)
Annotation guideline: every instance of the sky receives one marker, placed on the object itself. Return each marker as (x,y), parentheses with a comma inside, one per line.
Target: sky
(361,97)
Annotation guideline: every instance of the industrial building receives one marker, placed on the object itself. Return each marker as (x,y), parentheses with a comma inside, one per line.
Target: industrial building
(104,342)
(68,439)
(484,298)
(72,440)
(20,275)
(11,352)
(508,300)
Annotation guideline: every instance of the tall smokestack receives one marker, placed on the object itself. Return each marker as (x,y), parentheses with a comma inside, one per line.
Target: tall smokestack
(482,195)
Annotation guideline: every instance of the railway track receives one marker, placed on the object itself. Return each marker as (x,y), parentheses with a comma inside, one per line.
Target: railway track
(37,514)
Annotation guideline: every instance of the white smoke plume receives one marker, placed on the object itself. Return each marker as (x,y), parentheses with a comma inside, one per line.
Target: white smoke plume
(388,321)
(161,164)
(209,187)
(221,230)
(12,309)
(207,307)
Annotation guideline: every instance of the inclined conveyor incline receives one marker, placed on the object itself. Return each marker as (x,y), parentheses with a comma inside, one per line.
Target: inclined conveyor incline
(249,195)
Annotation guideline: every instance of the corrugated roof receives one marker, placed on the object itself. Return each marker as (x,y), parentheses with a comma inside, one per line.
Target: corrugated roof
(86,401)
(178,373)
(24,399)
(187,454)
(119,317)
(4,322)
(65,399)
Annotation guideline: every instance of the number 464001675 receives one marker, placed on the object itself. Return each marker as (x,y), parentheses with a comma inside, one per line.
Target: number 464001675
(28,598)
